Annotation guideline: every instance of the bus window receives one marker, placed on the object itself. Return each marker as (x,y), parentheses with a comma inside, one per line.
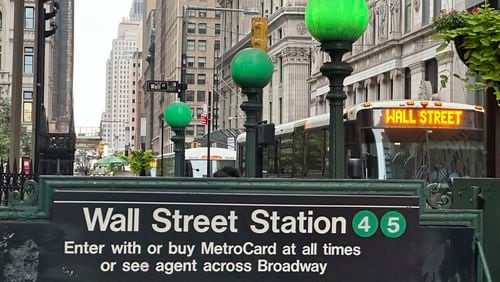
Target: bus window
(298,152)
(285,155)
(314,151)
(271,160)
(241,157)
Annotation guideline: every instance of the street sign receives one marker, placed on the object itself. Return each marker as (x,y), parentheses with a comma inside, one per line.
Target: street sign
(162,86)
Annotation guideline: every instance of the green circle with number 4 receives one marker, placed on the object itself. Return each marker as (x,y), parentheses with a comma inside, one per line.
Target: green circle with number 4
(365,223)
(393,224)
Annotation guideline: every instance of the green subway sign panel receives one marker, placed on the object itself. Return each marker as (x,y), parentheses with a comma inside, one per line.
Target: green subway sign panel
(172,234)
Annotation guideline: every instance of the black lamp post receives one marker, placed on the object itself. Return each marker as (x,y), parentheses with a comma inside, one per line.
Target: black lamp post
(252,70)
(336,24)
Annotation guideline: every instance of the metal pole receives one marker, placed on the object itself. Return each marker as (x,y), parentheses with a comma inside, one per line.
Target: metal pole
(251,107)
(336,71)
(182,92)
(161,146)
(17,85)
(39,84)
(209,119)
(179,140)
(151,93)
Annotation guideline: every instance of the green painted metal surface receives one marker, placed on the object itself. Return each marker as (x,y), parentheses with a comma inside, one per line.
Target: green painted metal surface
(482,194)
(466,212)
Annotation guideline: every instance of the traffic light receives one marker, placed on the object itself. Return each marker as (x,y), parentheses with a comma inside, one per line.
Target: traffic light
(100,149)
(259,33)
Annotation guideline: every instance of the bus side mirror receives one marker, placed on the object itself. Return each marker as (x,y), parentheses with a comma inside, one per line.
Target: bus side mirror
(355,168)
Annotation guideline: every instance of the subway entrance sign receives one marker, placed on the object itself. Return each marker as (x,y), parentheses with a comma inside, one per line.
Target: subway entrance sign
(128,234)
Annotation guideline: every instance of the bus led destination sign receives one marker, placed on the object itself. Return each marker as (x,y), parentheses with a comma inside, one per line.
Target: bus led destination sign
(423,117)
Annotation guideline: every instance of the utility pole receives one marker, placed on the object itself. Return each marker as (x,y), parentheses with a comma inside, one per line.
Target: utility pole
(40,34)
(17,85)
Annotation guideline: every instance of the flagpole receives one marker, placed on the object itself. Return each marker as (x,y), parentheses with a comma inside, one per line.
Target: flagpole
(209,118)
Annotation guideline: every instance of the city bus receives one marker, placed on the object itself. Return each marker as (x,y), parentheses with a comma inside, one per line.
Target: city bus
(429,140)
(196,161)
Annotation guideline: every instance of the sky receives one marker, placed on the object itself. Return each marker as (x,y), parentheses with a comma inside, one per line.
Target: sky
(96,25)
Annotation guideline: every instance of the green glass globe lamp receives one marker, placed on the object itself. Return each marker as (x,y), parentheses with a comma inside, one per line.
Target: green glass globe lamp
(251,68)
(336,20)
(178,114)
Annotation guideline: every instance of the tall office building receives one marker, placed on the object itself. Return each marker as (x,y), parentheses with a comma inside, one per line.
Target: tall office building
(285,98)
(61,115)
(28,68)
(136,11)
(115,118)
(202,38)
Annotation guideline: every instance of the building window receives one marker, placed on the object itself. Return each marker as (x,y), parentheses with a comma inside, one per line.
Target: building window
(189,130)
(190,78)
(189,95)
(29,17)
(190,45)
(202,14)
(280,110)
(202,28)
(431,74)
(202,78)
(366,93)
(391,90)
(202,45)
(437,7)
(425,12)
(191,13)
(27,105)
(280,61)
(270,112)
(28,60)
(217,29)
(200,130)
(202,61)
(217,45)
(407,16)
(191,28)
(198,112)
(190,62)
(200,96)
(378,91)
(1,18)
(217,14)
(407,83)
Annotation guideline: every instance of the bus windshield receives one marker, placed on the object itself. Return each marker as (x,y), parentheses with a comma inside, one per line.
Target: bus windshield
(434,155)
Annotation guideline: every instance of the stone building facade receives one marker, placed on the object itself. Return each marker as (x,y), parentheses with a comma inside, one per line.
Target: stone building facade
(396,58)
(286,97)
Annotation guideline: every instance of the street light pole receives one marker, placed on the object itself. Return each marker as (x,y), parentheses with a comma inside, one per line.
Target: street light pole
(336,25)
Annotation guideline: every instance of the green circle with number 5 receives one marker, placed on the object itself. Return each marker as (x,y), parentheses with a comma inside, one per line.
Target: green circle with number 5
(365,223)
(393,224)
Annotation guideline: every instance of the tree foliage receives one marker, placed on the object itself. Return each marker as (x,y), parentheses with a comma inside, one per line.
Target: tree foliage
(140,160)
(5,131)
(480,33)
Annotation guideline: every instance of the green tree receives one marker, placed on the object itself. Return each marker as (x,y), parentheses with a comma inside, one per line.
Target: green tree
(140,160)
(5,131)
